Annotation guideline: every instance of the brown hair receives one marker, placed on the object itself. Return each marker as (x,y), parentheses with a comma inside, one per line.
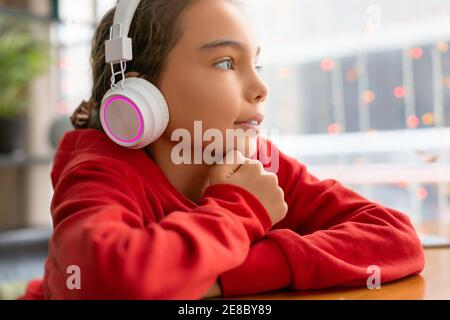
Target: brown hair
(155,30)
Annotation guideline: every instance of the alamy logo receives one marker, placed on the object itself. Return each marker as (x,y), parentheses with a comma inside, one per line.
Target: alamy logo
(73,282)
(208,147)
(374,280)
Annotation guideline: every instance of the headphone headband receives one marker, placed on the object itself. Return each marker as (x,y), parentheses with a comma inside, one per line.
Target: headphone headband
(125,11)
(119,46)
(134,114)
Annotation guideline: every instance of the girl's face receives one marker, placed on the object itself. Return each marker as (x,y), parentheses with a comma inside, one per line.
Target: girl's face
(212,73)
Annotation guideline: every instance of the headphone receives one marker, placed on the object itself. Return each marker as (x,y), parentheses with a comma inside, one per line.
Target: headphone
(134,113)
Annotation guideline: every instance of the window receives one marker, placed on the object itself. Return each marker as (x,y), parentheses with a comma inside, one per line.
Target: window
(360,91)
(73,36)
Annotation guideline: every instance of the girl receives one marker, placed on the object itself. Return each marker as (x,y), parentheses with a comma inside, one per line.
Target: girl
(132,224)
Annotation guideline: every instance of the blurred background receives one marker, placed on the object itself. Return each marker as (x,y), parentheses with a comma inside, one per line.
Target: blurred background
(359,90)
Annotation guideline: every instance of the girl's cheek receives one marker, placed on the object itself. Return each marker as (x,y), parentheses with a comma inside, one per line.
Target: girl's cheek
(220,104)
(210,97)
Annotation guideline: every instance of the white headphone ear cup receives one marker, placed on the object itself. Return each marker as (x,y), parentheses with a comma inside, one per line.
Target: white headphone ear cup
(158,105)
(136,115)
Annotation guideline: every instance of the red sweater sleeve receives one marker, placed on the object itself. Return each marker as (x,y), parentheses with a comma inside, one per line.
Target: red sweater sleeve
(329,237)
(99,227)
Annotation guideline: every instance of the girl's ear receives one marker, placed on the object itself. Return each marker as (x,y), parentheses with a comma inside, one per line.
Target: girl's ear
(132,74)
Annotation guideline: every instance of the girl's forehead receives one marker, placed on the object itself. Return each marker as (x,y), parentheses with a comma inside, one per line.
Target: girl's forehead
(207,24)
(213,17)
(228,43)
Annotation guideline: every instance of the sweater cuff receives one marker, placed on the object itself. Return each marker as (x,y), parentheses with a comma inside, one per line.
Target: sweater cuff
(244,205)
(265,269)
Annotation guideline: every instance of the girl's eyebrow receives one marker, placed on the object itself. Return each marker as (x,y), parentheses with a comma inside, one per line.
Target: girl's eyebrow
(226,43)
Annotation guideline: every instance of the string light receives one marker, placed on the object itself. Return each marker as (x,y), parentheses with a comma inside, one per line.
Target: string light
(401,185)
(413,122)
(442,46)
(416,53)
(334,128)
(428,118)
(399,92)
(352,75)
(327,65)
(368,96)
(422,193)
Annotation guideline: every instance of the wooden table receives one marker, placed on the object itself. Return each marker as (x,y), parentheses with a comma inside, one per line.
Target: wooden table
(432,283)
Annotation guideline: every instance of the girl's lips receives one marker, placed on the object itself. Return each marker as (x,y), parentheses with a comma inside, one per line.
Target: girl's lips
(247,126)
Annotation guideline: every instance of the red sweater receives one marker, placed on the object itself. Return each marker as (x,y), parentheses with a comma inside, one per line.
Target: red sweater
(134,236)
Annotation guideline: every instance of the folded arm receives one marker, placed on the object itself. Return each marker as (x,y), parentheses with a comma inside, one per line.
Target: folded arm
(330,236)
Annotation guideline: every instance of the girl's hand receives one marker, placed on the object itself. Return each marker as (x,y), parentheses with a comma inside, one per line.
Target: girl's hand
(250,175)
(214,291)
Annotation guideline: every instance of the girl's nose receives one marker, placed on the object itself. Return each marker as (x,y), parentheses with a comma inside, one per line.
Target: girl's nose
(261,92)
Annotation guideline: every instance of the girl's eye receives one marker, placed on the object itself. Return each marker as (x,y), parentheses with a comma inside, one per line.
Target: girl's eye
(259,69)
(226,63)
